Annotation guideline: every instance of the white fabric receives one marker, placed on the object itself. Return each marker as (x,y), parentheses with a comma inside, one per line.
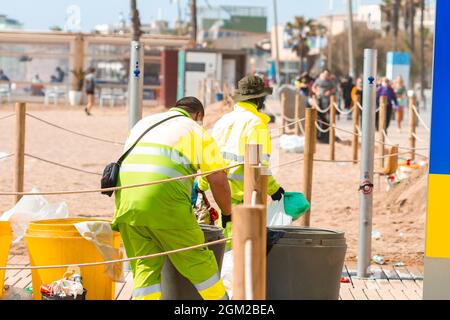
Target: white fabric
(276,216)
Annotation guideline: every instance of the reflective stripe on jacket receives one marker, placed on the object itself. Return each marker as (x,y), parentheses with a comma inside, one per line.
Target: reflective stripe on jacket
(244,125)
(175,148)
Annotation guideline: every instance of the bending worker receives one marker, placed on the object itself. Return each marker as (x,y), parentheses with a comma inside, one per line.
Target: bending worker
(159,217)
(244,125)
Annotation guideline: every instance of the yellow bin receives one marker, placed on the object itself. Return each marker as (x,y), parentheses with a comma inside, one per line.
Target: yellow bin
(5,243)
(57,241)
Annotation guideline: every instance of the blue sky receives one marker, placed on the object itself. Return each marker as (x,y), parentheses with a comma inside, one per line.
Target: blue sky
(40,15)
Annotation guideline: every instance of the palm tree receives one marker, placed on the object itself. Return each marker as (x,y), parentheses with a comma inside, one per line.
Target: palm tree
(422,53)
(136,21)
(299,31)
(391,12)
(193,7)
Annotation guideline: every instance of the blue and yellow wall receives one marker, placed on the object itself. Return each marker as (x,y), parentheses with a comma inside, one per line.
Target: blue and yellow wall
(437,247)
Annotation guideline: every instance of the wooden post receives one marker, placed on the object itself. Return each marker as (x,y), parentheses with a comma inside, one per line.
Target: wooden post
(355,138)
(297,114)
(314,128)
(255,176)
(382,126)
(308,161)
(19,154)
(412,126)
(211,91)
(332,130)
(283,113)
(249,253)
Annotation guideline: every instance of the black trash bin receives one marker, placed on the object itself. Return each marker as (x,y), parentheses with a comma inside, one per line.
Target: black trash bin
(304,263)
(176,287)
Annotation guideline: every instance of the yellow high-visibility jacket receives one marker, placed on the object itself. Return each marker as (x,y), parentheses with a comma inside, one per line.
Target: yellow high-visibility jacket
(244,125)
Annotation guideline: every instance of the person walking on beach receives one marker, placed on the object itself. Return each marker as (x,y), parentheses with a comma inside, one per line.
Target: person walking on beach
(324,87)
(90,90)
(385,90)
(400,92)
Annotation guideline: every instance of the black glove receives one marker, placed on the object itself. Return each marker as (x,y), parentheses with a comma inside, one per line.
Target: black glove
(225,219)
(277,195)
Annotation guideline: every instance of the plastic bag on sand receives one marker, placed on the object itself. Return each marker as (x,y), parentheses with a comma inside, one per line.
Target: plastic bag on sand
(227,272)
(29,208)
(276,215)
(101,235)
(292,143)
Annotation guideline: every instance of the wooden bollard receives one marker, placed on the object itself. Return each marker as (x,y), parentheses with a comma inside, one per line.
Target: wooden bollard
(308,161)
(412,126)
(297,114)
(249,252)
(315,115)
(382,126)
(199,89)
(355,138)
(19,154)
(211,91)
(204,92)
(283,112)
(332,130)
(255,176)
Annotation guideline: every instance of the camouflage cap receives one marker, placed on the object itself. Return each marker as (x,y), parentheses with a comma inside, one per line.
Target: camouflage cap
(251,87)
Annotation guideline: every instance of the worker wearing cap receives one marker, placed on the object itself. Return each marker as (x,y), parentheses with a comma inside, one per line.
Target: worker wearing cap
(158,218)
(244,125)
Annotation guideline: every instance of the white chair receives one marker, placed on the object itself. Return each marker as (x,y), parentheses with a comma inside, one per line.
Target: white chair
(120,95)
(55,93)
(106,94)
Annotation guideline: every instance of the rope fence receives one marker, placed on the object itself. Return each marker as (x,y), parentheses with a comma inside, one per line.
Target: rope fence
(48,193)
(8,116)
(62,165)
(91,264)
(420,118)
(343,112)
(74,132)
(7,156)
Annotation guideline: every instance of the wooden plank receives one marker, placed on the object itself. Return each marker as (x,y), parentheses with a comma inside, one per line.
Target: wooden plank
(346,294)
(377,272)
(398,294)
(403,273)
(411,284)
(127,290)
(358,294)
(384,284)
(415,272)
(15,260)
(371,284)
(372,294)
(411,294)
(385,295)
(420,284)
(397,284)
(13,280)
(390,272)
(358,283)
(419,293)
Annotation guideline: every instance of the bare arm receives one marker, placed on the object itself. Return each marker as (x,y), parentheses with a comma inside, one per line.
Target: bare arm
(221,191)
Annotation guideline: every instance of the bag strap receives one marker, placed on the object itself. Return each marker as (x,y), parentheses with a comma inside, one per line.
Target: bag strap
(122,157)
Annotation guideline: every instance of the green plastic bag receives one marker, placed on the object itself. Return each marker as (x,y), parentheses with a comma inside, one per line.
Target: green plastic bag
(295,204)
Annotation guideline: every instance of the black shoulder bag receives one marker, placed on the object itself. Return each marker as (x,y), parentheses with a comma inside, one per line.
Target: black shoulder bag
(111,172)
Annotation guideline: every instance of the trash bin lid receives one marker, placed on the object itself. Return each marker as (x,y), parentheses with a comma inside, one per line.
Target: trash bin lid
(309,235)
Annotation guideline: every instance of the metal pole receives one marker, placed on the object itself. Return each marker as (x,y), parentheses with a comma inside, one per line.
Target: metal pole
(135,84)
(367,159)
(277,50)
(351,53)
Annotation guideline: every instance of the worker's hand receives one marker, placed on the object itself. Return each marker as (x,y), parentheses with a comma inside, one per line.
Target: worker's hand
(225,220)
(277,195)
(194,193)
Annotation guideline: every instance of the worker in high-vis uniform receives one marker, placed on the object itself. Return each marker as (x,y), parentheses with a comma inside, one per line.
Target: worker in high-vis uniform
(244,125)
(158,218)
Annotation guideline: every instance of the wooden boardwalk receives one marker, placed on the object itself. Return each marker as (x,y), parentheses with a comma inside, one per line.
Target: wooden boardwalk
(386,283)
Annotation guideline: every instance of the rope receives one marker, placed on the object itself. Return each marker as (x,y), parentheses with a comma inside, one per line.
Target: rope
(360,107)
(378,141)
(290,124)
(342,111)
(316,106)
(320,129)
(288,119)
(8,116)
(420,118)
(7,156)
(417,137)
(62,165)
(386,138)
(287,163)
(117,188)
(90,264)
(74,132)
(359,131)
